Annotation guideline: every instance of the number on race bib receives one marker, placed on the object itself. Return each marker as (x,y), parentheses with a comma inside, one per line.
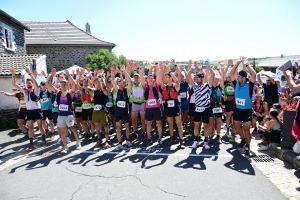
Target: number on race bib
(78,109)
(44,100)
(217,110)
(22,104)
(151,102)
(109,104)
(86,106)
(171,103)
(199,109)
(240,102)
(182,95)
(230,89)
(121,104)
(63,107)
(97,107)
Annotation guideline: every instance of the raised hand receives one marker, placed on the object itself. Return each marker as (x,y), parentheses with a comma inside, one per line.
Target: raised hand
(167,62)
(77,71)
(53,71)
(221,63)
(230,62)
(27,69)
(43,73)
(13,71)
(245,60)
(123,68)
(67,72)
(190,62)
(35,73)
(82,70)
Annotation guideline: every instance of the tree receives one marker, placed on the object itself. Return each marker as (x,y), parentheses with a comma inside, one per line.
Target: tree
(103,60)
(258,69)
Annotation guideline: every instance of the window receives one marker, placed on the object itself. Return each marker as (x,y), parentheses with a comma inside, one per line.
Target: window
(8,37)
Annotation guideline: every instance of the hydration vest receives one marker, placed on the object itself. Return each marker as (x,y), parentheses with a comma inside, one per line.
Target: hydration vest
(155,93)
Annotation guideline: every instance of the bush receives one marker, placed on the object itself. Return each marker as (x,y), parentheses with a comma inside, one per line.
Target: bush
(258,69)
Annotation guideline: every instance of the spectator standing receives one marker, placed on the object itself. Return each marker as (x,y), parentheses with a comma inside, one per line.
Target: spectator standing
(270,89)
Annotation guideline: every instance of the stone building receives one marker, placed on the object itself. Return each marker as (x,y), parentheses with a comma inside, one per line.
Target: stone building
(13,54)
(63,43)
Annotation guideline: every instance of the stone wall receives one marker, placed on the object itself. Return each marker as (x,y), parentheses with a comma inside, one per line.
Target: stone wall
(18,36)
(62,57)
(8,114)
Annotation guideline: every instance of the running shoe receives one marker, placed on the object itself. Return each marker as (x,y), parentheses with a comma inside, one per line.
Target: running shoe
(119,147)
(30,148)
(247,153)
(160,143)
(80,135)
(58,141)
(225,128)
(65,150)
(206,145)
(228,135)
(254,131)
(128,143)
(98,144)
(181,145)
(149,142)
(171,142)
(195,144)
(68,140)
(262,148)
(86,137)
(218,138)
(78,145)
(241,144)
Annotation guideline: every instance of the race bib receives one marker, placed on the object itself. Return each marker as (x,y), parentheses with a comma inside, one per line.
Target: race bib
(240,102)
(109,104)
(78,109)
(86,106)
(182,95)
(171,103)
(97,107)
(230,89)
(217,110)
(121,104)
(44,100)
(199,109)
(63,107)
(137,98)
(23,104)
(55,104)
(151,102)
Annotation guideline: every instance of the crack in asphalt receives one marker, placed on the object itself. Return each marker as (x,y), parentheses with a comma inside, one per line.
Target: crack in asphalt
(179,195)
(80,188)
(29,197)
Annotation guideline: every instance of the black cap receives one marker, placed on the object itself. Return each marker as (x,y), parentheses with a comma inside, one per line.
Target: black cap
(243,74)
(276,106)
(200,75)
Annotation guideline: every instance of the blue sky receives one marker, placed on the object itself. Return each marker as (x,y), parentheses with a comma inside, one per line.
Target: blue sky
(186,29)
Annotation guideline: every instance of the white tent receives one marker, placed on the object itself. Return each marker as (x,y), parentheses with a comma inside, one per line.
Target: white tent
(269,73)
(74,67)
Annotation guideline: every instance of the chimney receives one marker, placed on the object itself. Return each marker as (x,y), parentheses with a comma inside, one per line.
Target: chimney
(88,28)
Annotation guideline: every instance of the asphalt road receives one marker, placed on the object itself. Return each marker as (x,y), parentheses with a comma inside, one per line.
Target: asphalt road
(133,173)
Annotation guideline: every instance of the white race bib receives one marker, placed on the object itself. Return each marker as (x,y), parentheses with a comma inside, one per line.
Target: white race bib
(182,95)
(55,104)
(151,102)
(230,89)
(22,104)
(199,109)
(217,110)
(78,109)
(240,102)
(109,104)
(137,98)
(44,100)
(63,107)
(171,103)
(86,106)
(97,107)
(121,104)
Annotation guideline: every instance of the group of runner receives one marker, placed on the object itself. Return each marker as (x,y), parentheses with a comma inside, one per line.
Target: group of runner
(89,104)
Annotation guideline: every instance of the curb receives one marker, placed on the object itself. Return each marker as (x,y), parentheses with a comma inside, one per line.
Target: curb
(287,155)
